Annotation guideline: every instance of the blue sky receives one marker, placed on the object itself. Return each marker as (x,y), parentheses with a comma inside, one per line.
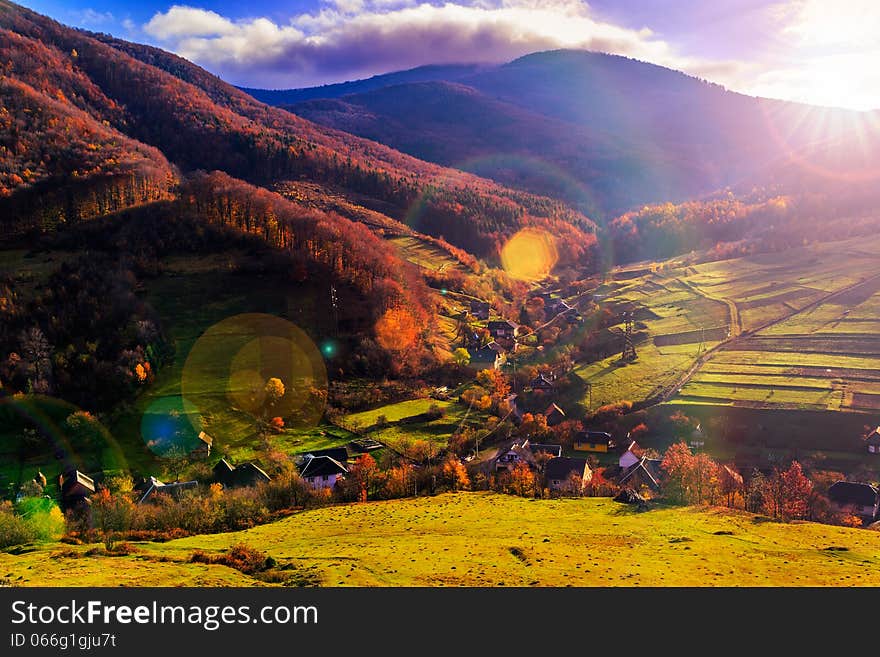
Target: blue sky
(807,50)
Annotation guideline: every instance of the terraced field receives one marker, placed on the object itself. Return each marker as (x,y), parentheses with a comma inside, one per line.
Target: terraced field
(802,331)
(672,318)
(813,344)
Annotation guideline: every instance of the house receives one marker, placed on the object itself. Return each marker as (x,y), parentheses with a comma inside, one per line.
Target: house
(554,451)
(152,487)
(75,488)
(542,383)
(872,441)
(630,456)
(560,473)
(322,472)
(246,474)
(490,356)
(858,499)
(338,453)
(645,473)
(503,329)
(561,307)
(554,415)
(202,449)
(593,441)
(480,309)
(509,455)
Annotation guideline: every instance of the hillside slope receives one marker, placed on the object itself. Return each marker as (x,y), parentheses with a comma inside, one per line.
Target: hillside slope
(478,539)
(200,122)
(671,136)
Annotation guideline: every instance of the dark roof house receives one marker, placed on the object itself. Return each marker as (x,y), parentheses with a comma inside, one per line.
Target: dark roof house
(480,309)
(554,415)
(559,472)
(246,474)
(155,487)
(320,466)
(861,499)
(511,453)
(502,328)
(541,382)
(75,487)
(645,473)
(488,356)
(586,440)
(872,441)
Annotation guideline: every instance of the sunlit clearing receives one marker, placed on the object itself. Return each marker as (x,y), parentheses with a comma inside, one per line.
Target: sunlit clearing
(530,254)
(232,363)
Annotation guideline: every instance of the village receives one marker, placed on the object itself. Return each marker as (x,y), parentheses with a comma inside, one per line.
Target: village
(534,443)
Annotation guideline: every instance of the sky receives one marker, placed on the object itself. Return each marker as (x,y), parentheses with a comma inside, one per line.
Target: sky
(823,52)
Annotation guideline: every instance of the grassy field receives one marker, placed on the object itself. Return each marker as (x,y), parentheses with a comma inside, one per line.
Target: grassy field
(481,539)
(802,330)
(422,253)
(404,422)
(664,306)
(817,353)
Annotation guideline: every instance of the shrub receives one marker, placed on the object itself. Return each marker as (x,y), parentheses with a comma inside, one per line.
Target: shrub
(14,530)
(242,557)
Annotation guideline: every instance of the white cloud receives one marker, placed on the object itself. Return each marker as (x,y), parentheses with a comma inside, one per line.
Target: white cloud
(823,23)
(187,22)
(827,53)
(345,39)
(91,18)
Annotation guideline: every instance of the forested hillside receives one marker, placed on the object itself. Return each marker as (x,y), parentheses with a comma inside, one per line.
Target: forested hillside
(200,122)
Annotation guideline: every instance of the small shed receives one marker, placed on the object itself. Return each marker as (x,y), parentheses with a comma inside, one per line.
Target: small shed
(204,443)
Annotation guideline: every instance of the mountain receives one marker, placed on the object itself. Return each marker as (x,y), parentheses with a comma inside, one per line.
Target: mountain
(604,132)
(456,125)
(199,122)
(420,74)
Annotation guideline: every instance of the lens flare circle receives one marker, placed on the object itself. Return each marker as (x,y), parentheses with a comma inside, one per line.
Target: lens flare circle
(171,425)
(87,447)
(231,363)
(530,254)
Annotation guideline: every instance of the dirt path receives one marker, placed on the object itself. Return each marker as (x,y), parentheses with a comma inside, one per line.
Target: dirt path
(732,309)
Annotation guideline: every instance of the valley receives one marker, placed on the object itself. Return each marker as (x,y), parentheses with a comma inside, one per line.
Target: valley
(572,319)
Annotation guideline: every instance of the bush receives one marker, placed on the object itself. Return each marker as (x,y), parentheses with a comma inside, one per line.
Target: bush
(43,516)
(14,530)
(242,557)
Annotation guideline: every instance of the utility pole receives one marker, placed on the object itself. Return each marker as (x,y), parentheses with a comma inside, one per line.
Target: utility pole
(629,348)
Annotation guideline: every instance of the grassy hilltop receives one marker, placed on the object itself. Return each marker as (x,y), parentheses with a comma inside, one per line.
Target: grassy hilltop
(477,539)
